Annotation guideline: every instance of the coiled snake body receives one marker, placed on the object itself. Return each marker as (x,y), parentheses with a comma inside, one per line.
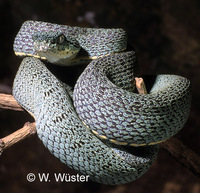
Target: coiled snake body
(106,111)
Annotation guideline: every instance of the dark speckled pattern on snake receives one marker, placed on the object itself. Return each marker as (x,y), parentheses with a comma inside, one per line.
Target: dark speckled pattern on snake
(93,42)
(82,128)
(65,135)
(125,117)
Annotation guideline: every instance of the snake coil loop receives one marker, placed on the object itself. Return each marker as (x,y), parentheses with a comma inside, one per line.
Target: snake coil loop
(79,128)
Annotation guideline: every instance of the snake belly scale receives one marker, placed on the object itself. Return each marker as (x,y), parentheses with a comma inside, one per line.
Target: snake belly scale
(79,128)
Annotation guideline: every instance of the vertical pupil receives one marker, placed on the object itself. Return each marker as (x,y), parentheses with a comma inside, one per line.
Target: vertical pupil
(61,39)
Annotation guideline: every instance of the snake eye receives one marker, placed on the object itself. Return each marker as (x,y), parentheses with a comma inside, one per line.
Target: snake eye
(61,39)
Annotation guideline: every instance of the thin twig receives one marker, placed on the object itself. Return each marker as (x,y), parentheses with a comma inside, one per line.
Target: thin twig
(28,130)
(175,147)
(139,83)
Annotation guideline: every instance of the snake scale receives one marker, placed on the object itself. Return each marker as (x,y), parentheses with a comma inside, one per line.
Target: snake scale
(96,128)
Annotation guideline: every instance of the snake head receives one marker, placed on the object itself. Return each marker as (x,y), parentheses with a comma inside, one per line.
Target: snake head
(56,47)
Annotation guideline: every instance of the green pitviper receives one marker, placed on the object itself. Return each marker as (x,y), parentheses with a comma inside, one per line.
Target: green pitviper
(91,127)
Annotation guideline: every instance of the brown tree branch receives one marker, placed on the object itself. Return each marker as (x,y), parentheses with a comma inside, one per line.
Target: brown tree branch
(175,147)
(8,102)
(28,130)
(183,155)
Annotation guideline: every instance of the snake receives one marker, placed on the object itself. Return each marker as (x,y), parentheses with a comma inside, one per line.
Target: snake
(101,127)
(42,40)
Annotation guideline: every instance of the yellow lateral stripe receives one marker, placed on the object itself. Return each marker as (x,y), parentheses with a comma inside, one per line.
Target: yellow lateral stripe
(24,54)
(117,142)
(125,143)
(143,144)
(153,143)
(137,145)
(93,131)
(78,58)
(20,54)
(102,136)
